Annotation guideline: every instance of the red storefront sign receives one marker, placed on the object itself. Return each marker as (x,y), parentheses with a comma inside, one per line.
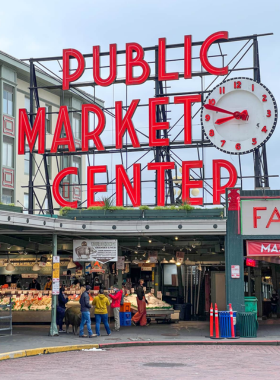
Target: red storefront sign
(263,248)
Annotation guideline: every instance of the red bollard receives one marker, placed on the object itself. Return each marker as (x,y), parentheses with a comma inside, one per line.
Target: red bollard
(231,321)
(217,321)
(211,321)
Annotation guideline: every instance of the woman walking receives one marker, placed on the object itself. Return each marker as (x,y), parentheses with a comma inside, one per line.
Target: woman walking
(101,313)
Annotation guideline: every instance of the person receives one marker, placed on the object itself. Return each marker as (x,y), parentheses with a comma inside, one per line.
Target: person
(34,285)
(115,305)
(97,284)
(141,315)
(101,313)
(48,285)
(274,301)
(128,284)
(62,301)
(85,309)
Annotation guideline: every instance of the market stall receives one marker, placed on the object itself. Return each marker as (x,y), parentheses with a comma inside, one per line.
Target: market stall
(156,308)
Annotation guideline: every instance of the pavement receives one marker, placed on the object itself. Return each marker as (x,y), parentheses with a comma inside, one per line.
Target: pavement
(184,332)
(149,363)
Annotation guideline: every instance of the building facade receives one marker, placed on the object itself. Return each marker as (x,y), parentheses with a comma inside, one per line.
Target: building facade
(15,94)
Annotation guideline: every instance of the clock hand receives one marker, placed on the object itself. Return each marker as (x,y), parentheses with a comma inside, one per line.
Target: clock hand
(214,108)
(223,120)
(237,115)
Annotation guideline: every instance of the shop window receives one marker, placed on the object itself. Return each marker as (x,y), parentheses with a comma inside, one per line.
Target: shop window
(8,152)
(169,270)
(25,203)
(48,119)
(77,126)
(8,100)
(7,196)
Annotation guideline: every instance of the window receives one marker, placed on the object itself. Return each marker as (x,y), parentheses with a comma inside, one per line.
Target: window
(77,164)
(25,203)
(48,119)
(49,165)
(26,160)
(8,152)
(27,104)
(8,100)
(77,126)
(7,196)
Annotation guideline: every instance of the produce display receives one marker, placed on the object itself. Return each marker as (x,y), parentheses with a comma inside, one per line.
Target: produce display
(154,303)
(26,302)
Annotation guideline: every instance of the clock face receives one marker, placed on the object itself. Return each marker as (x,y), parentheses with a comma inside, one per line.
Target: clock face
(239,115)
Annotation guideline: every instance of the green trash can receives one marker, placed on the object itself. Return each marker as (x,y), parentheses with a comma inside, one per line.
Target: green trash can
(251,305)
(247,324)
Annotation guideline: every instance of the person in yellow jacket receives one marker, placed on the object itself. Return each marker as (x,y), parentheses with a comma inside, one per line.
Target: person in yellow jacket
(48,285)
(101,313)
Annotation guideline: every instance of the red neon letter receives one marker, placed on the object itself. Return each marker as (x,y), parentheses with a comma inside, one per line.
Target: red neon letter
(154,125)
(161,167)
(113,66)
(218,190)
(204,50)
(66,76)
(187,101)
(123,180)
(59,177)
(188,184)
(126,124)
(137,61)
(162,74)
(271,220)
(63,119)
(91,187)
(188,57)
(256,216)
(24,129)
(94,135)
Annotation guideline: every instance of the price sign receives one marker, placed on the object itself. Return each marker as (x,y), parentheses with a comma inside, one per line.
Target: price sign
(55,275)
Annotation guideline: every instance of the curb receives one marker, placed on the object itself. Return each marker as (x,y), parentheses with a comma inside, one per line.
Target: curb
(192,343)
(45,350)
(79,347)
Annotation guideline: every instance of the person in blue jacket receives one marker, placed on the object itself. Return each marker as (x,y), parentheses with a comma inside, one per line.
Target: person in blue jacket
(62,301)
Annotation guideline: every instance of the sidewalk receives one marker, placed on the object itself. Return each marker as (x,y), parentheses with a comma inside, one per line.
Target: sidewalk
(30,337)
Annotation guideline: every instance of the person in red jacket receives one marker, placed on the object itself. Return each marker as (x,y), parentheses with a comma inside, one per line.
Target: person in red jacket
(115,305)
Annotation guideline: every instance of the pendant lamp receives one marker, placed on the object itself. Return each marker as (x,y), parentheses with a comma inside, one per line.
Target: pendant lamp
(36,266)
(71,264)
(10,267)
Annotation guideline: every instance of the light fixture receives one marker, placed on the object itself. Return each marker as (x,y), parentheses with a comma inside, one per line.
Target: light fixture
(176,238)
(139,245)
(178,263)
(136,251)
(36,266)
(172,261)
(150,240)
(71,264)
(164,261)
(9,267)
(135,261)
(127,261)
(163,248)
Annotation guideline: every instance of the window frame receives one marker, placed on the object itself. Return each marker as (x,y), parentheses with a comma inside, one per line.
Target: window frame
(5,102)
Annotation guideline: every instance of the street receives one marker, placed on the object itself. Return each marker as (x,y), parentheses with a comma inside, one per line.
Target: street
(157,362)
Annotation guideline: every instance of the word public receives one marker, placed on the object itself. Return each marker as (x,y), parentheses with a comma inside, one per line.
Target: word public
(124,123)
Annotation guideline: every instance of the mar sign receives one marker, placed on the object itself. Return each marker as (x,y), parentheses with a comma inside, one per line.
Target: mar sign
(237,116)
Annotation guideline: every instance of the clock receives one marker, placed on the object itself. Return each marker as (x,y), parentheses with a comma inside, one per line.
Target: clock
(239,115)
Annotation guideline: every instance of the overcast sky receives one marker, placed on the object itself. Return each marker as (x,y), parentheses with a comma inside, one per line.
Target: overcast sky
(34,29)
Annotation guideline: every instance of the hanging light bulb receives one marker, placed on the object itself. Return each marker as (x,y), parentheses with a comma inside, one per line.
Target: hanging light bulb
(139,245)
(176,238)
(9,267)
(71,264)
(163,248)
(178,263)
(172,261)
(164,261)
(150,240)
(36,266)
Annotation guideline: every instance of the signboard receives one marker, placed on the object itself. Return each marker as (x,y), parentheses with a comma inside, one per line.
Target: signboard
(263,248)
(31,275)
(55,275)
(235,271)
(95,250)
(180,257)
(96,268)
(251,263)
(146,269)
(260,216)
(120,263)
